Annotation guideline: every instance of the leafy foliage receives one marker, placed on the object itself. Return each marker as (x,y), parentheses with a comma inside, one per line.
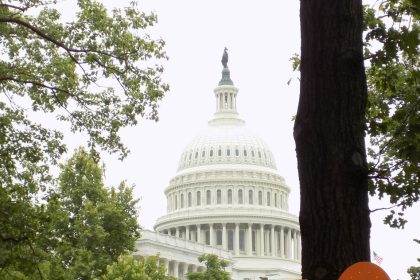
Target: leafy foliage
(414,271)
(79,229)
(392,40)
(215,269)
(393,121)
(98,73)
(128,268)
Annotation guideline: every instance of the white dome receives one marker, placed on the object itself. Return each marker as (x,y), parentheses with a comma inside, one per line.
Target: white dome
(226,142)
(229,196)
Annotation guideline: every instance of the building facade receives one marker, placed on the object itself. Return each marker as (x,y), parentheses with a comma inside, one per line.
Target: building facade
(228,199)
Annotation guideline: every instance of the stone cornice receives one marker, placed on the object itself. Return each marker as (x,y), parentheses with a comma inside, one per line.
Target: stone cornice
(205,217)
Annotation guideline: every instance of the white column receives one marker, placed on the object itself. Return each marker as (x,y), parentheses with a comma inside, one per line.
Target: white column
(236,241)
(175,263)
(198,233)
(267,241)
(282,242)
(273,248)
(187,232)
(294,244)
(289,244)
(211,235)
(299,252)
(249,243)
(224,239)
(261,240)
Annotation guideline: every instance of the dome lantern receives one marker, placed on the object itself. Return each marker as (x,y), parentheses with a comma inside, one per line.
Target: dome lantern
(225,94)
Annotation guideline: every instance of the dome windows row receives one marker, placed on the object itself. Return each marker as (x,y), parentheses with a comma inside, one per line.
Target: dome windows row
(197,198)
(244,154)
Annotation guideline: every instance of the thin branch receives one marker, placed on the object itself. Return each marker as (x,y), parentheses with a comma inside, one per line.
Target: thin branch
(52,88)
(33,251)
(54,41)
(43,35)
(384,208)
(13,7)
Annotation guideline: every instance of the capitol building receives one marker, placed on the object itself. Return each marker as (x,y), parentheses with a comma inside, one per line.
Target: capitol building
(227,198)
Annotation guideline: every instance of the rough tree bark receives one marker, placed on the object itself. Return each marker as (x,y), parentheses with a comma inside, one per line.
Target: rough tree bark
(329,136)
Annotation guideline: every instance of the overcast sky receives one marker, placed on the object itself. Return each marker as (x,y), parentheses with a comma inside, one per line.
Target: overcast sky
(261,37)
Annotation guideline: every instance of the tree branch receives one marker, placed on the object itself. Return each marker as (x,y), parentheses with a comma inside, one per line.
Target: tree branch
(43,35)
(384,208)
(13,7)
(54,41)
(52,88)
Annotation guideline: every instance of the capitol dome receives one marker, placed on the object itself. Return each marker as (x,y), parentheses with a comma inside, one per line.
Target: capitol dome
(226,142)
(227,198)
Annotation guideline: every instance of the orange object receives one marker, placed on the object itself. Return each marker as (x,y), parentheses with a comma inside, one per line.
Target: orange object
(364,271)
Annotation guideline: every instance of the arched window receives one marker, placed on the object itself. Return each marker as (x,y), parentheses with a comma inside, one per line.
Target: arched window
(245,153)
(252,153)
(203,153)
(259,154)
(260,197)
(189,199)
(228,152)
(182,200)
(237,152)
(250,197)
(275,200)
(229,196)
(268,198)
(208,197)
(240,197)
(196,155)
(176,202)
(211,153)
(198,198)
(219,196)
(219,152)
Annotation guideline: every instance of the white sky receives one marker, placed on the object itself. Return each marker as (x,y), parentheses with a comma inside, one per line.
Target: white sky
(261,37)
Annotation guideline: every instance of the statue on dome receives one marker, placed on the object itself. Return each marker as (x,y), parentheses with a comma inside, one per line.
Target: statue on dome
(225,58)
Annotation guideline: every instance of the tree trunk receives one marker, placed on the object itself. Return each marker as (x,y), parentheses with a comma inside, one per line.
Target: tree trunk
(329,136)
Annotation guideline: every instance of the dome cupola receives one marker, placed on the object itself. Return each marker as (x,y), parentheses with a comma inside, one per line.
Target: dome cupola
(226,140)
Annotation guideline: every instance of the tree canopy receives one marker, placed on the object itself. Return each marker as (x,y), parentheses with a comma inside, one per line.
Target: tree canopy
(392,40)
(215,269)
(391,52)
(414,271)
(98,72)
(79,229)
(128,268)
